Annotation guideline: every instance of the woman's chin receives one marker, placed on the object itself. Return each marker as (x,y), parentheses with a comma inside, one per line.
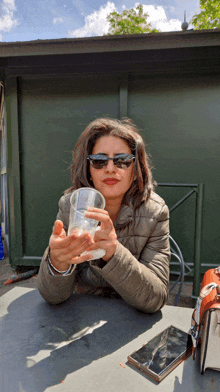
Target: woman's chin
(113,196)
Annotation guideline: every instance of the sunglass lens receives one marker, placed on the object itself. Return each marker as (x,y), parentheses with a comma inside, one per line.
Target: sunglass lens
(98,162)
(123,161)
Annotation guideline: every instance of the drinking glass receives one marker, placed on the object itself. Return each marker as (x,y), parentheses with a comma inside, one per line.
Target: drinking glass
(80,201)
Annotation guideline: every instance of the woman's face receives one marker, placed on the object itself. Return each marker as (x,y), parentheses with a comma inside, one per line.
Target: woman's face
(111,181)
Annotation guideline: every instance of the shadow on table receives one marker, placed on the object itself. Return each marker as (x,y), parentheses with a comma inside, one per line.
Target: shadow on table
(193,381)
(43,344)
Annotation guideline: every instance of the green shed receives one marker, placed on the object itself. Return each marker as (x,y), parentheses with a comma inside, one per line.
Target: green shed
(168,83)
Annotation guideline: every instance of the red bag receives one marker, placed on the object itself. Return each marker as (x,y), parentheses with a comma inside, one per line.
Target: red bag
(205,326)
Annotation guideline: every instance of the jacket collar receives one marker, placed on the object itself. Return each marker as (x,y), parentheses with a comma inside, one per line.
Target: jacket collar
(125,215)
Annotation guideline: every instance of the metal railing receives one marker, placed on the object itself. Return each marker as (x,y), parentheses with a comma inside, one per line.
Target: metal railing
(198,189)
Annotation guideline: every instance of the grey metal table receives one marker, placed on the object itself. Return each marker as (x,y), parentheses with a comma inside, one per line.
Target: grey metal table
(79,346)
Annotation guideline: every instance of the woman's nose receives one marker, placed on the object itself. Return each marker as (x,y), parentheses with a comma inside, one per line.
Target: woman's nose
(110,167)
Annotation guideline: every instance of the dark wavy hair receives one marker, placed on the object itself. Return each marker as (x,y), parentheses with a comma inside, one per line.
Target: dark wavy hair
(125,129)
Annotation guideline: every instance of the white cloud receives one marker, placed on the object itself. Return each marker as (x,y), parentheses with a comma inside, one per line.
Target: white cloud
(10,4)
(158,19)
(95,23)
(7,21)
(57,20)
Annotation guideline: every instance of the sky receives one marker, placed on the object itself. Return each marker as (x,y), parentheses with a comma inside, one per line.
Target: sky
(27,20)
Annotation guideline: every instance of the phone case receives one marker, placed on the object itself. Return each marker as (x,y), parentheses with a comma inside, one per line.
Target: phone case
(158,357)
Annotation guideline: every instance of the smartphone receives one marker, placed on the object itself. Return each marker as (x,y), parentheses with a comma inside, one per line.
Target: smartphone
(158,357)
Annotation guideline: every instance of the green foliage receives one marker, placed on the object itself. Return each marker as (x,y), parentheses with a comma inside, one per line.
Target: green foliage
(209,17)
(132,21)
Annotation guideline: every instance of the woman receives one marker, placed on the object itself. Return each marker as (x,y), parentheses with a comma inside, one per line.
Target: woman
(134,227)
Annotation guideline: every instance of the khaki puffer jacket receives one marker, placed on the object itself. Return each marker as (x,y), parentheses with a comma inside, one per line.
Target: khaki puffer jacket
(139,269)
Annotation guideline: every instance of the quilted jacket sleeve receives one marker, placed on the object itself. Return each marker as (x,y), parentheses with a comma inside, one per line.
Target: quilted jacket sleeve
(56,288)
(142,283)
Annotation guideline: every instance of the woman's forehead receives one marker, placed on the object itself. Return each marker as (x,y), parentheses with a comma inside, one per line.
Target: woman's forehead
(111,144)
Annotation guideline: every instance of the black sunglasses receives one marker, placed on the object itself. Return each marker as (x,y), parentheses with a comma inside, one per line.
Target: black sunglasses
(122,161)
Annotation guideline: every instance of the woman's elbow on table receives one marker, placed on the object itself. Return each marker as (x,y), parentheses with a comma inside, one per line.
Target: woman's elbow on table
(151,302)
(52,297)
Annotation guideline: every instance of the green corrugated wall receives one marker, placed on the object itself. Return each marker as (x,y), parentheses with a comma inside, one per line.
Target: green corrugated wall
(180,122)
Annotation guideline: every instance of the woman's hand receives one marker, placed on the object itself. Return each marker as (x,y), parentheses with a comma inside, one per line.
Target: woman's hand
(106,237)
(66,250)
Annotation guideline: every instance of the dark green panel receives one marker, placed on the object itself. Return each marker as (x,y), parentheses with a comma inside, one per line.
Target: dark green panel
(180,119)
(54,112)
(182,219)
(13,172)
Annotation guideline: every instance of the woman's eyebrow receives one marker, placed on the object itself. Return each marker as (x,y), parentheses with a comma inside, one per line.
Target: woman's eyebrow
(103,153)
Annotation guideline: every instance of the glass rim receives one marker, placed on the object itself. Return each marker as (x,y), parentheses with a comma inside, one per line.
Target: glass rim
(90,189)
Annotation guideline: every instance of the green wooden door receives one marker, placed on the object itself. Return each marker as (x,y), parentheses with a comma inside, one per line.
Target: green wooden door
(52,113)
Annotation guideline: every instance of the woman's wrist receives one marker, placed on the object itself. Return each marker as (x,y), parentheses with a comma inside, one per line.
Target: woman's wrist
(108,257)
(58,268)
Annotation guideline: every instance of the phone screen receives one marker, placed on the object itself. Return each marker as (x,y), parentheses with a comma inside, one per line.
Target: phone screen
(160,352)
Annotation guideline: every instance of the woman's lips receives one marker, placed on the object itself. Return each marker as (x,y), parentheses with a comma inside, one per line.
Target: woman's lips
(111,181)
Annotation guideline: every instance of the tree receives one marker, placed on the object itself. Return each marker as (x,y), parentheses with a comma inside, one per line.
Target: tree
(209,17)
(132,21)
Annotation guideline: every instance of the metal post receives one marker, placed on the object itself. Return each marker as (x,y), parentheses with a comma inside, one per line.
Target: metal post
(123,98)
(198,241)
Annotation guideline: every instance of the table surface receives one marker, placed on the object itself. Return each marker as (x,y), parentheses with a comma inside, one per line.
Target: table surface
(81,344)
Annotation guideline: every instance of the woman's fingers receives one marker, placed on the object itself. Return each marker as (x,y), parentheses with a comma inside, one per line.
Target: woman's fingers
(75,255)
(63,263)
(105,238)
(72,248)
(58,226)
(71,241)
(81,259)
(78,247)
(58,231)
(98,214)
(99,210)
(68,249)
(101,216)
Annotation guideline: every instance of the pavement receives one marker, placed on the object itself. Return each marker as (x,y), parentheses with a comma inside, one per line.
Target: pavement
(6,273)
